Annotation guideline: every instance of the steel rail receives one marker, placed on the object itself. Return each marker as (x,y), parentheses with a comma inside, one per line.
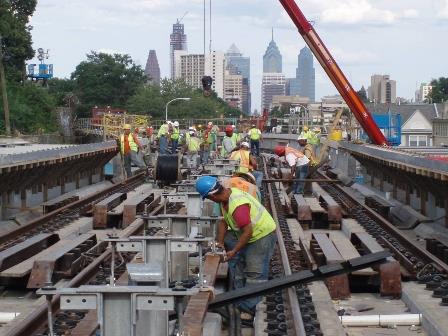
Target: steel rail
(39,316)
(387,226)
(298,326)
(77,204)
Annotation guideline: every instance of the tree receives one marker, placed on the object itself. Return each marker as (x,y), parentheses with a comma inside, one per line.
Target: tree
(61,89)
(16,35)
(32,109)
(439,92)
(105,79)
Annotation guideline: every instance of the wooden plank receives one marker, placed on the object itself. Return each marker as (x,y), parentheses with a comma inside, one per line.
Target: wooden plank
(196,310)
(304,214)
(44,265)
(350,226)
(314,204)
(101,208)
(348,251)
(134,203)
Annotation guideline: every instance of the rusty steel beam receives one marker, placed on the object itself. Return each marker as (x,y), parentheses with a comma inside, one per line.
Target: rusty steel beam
(196,310)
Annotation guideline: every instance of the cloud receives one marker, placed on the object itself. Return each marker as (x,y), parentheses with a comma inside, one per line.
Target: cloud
(348,57)
(110,51)
(443,14)
(410,13)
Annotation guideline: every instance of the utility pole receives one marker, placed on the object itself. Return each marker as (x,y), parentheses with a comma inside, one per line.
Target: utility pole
(4,93)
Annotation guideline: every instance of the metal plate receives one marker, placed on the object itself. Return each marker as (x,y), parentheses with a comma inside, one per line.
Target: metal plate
(151,302)
(205,223)
(78,301)
(177,198)
(158,222)
(129,246)
(183,247)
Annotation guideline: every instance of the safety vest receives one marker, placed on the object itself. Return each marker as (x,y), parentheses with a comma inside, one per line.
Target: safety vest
(243,158)
(223,149)
(296,152)
(309,148)
(254,134)
(313,139)
(235,138)
(243,185)
(260,219)
(132,145)
(163,130)
(194,144)
(175,135)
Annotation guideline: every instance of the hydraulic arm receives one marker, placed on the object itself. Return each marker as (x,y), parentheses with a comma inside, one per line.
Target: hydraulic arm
(334,72)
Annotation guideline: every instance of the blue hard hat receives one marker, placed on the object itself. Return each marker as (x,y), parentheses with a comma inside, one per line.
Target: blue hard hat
(205,184)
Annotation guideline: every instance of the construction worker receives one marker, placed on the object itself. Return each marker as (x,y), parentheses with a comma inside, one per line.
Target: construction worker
(306,133)
(244,182)
(193,147)
(255,138)
(175,137)
(129,147)
(251,224)
(247,162)
(298,163)
(315,139)
(307,150)
(162,137)
(228,142)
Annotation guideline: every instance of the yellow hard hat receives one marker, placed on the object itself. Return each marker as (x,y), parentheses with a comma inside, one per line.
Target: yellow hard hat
(199,126)
(305,128)
(126,126)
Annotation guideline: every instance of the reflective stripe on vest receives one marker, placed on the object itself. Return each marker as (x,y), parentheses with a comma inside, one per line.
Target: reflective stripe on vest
(261,221)
(132,145)
(242,156)
(254,134)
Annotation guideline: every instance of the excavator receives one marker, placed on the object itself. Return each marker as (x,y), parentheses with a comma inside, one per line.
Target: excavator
(333,71)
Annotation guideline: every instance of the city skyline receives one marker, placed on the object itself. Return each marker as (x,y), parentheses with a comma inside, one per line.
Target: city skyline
(391,29)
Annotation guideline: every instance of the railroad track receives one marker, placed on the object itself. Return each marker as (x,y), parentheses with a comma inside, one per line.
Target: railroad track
(287,260)
(63,216)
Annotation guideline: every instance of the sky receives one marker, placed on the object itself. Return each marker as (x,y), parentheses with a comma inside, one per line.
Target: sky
(406,39)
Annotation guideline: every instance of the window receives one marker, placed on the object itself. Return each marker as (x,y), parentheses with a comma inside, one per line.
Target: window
(418,140)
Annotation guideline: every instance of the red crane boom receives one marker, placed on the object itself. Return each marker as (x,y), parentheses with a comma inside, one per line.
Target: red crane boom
(334,72)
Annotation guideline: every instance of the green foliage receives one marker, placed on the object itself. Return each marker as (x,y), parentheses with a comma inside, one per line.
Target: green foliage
(152,100)
(31,109)
(105,79)
(61,89)
(16,35)
(439,92)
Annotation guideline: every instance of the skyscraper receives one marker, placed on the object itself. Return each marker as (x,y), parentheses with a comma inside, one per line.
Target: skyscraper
(237,64)
(306,75)
(178,41)
(152,69)
(215,67)
(273,84)
(272,59)
(189,67)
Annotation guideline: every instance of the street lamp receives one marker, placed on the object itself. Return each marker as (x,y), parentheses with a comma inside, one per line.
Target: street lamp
(166,106)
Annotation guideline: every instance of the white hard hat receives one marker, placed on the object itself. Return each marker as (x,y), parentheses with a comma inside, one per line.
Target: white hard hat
(301,137)
(192,132)
(210,123)
(191,128)
(233,126)
(169,122)
(176,123)
(245,144)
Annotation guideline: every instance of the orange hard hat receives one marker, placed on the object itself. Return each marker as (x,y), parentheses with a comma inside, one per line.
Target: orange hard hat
(229,128)
(279,150)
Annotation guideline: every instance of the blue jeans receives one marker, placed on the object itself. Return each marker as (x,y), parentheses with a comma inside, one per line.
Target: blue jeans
(235,270)
(301,173)
(258,177)
(255,147)
(163,145)
(129,159)
(254,261)
(174,146)
(205,156)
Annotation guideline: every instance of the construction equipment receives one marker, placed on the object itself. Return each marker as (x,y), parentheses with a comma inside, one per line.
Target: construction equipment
(334,72)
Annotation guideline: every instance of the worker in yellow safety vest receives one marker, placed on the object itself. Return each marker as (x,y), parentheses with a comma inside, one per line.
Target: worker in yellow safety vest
(162,137)
(228,142)
(244,157)
(252,225)
(193,147)
(255,138)
(129,147)
(175,137)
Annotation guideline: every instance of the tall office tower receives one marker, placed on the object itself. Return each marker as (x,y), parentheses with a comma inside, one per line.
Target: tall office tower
(152,69)
(273,84)
(272,59)
(189,67)
(237,64)
(233,89)
(178,41)
(382,89)
(306,75)
(215,67)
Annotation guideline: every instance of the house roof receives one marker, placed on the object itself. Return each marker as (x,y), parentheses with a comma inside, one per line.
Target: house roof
(405,110)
